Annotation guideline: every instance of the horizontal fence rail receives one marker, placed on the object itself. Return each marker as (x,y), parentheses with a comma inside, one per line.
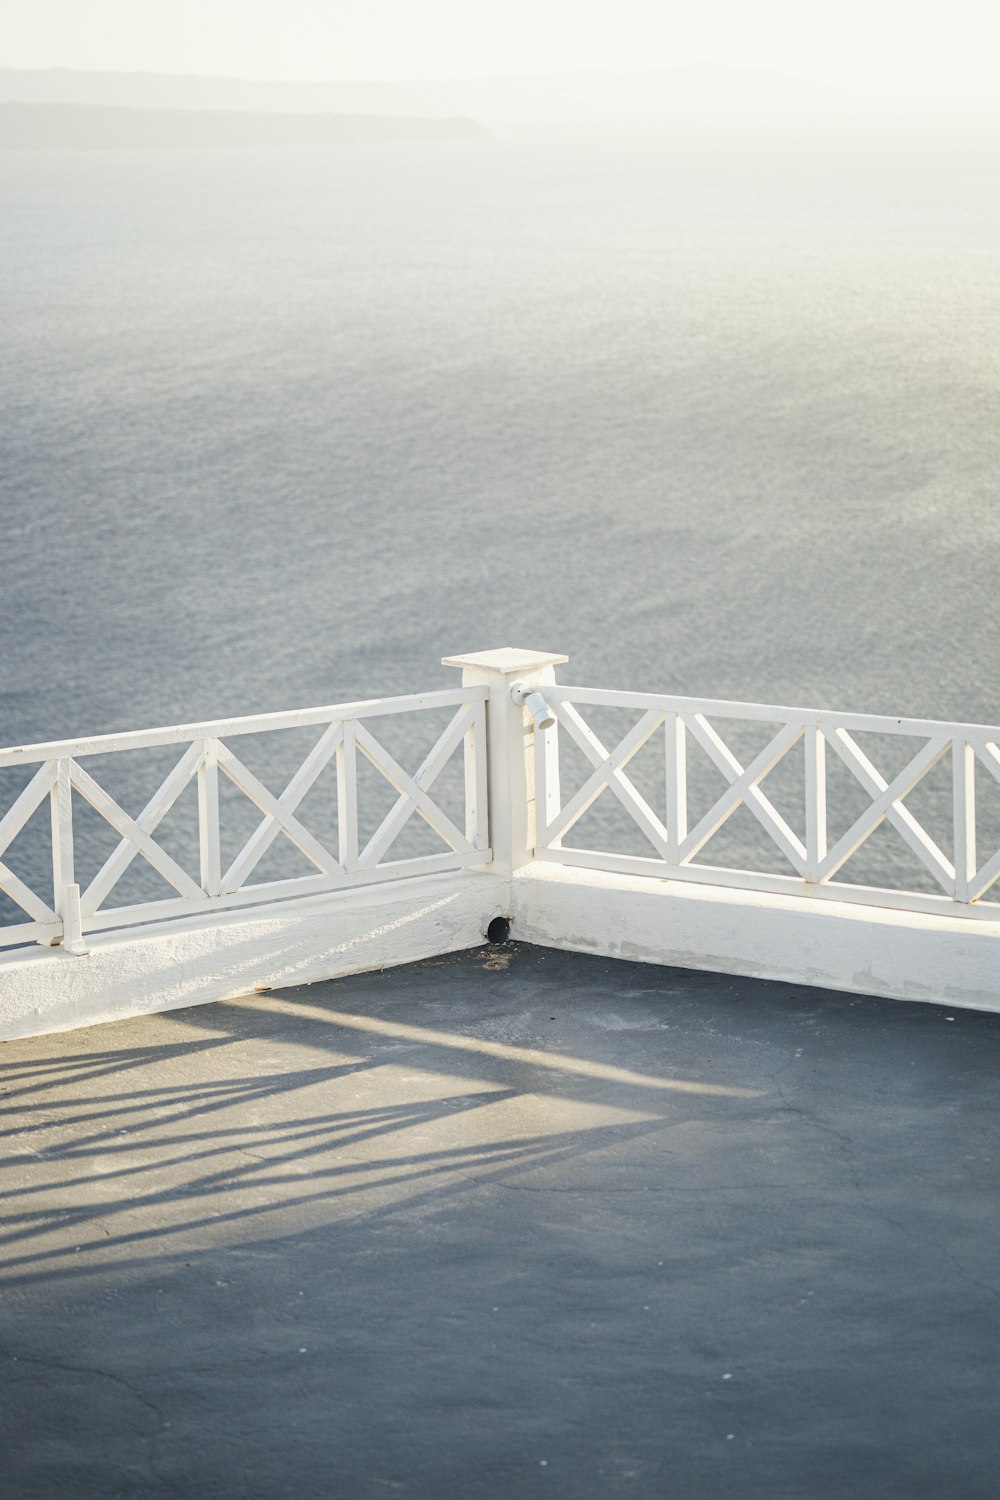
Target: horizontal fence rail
(672,840)
(346,731)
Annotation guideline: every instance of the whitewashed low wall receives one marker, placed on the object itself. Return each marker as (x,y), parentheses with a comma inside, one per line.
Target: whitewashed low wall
(142,970)
(139,971)
(899,955)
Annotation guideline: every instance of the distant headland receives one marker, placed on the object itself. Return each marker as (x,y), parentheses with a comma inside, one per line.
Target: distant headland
(95,127)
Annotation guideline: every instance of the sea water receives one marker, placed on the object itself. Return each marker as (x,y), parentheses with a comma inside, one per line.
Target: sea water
(713,417)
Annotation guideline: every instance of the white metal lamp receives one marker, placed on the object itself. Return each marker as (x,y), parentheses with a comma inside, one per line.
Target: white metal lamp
(536,705)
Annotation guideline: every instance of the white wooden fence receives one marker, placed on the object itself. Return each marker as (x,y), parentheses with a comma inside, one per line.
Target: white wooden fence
(670,845)
(207,754)
(671,834)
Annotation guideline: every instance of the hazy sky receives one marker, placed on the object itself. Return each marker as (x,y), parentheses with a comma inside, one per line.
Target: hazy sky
(899,42)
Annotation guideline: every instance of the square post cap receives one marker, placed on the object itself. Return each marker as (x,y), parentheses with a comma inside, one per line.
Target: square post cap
(506,660)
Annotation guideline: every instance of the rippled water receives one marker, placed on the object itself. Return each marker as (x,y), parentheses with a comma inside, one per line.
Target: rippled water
(285,427)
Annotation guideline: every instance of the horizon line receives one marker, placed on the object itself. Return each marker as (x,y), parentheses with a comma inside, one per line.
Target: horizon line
(444,78)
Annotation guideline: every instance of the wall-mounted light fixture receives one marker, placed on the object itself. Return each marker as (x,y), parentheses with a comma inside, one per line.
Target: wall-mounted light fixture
(536,705)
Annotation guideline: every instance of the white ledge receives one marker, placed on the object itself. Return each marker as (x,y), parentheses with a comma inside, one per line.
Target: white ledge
(864,950)
(191,961)
(506,659)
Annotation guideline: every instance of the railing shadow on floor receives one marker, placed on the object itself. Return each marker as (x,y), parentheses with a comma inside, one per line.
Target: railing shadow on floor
(88,1154)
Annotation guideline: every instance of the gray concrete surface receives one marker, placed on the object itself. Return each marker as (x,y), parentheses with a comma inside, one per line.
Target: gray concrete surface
(511,1223)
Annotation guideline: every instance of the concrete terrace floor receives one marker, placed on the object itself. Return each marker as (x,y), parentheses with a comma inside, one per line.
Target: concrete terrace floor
(511,1223)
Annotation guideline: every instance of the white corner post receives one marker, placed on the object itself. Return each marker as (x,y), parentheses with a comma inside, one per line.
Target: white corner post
(512,676)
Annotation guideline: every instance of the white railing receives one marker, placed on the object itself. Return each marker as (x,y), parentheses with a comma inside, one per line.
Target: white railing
(207,756)
(673,841)
(657,773)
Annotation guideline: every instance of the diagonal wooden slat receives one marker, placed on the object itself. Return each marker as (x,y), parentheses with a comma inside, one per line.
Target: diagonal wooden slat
(984,878)
(269,828)
(135,835)
(31,798)
(989,754)
(427,773)
(13,886)
(887,805)
(268,803)
(152,814)
(407,786)
(743,788)
(608,773)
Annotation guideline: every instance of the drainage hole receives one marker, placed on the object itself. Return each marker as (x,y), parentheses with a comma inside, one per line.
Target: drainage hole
(499,930)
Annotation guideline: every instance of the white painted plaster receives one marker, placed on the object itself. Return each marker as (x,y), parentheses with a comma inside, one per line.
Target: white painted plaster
(896,954)
(142,970)
(139,971)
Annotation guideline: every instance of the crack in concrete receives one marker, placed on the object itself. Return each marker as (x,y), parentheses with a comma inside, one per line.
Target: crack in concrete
(525,1187)
(55,1364)
(846,1144)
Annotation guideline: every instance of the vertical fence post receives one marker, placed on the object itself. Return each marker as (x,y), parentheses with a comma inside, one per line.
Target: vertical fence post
(510,738)
(347,796)
(964,773)
(676,778)
(548,794)
(65,891)
(477,818)
(208,819)
(816,836)
(73,940)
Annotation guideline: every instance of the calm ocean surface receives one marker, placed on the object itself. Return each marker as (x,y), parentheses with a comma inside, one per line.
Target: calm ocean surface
(282,428)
